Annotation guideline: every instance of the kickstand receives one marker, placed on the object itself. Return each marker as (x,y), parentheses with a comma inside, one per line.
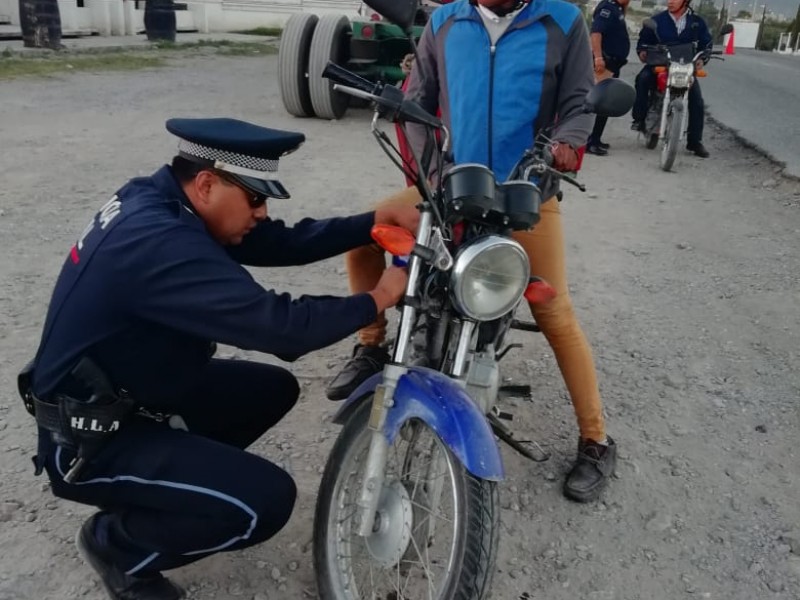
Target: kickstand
(504,433)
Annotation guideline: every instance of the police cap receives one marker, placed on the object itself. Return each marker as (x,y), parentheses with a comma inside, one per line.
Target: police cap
(249,153)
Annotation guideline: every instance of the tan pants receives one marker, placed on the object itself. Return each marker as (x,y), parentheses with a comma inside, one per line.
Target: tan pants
(545,248)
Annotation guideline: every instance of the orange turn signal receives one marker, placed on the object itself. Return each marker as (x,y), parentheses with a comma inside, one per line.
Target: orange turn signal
(700,73)
(660,69)
(395,240)
(539,291)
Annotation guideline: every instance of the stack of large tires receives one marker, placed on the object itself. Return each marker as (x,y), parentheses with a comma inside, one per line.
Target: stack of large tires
(307,44)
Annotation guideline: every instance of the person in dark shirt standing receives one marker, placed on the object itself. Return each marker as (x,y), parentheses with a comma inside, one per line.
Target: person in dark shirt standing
(610,47)
(152,284)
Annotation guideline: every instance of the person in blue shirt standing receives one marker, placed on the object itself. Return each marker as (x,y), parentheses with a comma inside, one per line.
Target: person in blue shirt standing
(677,25)
(135,415)
(610,47)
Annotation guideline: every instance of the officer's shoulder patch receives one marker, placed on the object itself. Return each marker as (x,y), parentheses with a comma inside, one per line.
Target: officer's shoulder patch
(605,13)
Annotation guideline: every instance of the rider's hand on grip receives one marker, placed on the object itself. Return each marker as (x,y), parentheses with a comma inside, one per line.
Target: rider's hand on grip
(565,157)
(390,288)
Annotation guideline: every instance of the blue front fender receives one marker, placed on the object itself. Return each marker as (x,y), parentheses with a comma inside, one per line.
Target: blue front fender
(446,408)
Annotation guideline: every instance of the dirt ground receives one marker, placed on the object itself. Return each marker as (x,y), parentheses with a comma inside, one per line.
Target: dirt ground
(686,284)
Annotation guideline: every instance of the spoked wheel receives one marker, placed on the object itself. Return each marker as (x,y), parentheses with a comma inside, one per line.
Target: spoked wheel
(672,135)
(330,43)
(435,531)
(293,64)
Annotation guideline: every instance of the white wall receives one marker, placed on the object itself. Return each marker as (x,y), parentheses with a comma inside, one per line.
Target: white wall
(745,34)
(119,17)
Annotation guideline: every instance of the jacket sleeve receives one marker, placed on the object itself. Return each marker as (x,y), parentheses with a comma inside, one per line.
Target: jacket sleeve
(576,80)
(273,244)
(704,39)
(647,37)
(187,282)
(423,85)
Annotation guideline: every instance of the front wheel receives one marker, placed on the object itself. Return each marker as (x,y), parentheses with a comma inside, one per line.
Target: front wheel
(672,135)
(435,531)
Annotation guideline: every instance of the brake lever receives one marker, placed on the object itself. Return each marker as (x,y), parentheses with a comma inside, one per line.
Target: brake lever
(541,169)
(351,91)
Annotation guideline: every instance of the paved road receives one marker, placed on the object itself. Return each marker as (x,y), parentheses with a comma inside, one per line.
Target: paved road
(758,95)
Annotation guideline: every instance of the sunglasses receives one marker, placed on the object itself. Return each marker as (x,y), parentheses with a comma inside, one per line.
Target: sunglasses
(254,199)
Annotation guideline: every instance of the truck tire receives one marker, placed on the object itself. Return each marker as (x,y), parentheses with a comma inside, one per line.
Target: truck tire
(293,56)
(330,43)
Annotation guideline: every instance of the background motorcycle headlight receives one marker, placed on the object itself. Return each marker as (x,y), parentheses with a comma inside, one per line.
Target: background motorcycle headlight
(489,277)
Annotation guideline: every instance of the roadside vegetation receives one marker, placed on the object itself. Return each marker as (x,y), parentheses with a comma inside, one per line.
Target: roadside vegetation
(48,63)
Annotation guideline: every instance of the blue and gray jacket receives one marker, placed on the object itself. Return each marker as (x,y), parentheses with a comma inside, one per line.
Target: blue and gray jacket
(495,99)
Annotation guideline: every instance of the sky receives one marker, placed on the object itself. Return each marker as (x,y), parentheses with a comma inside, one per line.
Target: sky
(787,7)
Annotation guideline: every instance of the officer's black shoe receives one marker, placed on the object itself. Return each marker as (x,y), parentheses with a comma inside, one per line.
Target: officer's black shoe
(603,145)
(119,585)
(589,475)
(596,149)
(698,149)
(366,361)
(638,126)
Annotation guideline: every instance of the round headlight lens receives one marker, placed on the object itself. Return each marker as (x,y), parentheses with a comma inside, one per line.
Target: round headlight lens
(489,277)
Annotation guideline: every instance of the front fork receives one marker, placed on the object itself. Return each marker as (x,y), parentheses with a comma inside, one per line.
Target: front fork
(664,111)
(384,394)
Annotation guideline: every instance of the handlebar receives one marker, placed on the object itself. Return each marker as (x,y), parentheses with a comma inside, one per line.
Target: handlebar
(347,78)
(392,104)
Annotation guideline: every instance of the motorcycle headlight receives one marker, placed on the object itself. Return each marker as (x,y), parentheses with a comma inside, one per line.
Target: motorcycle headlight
(679,75)
(489,277)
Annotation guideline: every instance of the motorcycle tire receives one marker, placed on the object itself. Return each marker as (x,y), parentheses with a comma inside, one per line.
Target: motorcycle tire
(457,562)
(672,136)
(652,141)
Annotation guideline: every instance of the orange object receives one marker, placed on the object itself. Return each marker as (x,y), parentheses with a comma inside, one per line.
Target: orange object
(659,69)
(395,240)
(539,291)
(700,73)
(729,47)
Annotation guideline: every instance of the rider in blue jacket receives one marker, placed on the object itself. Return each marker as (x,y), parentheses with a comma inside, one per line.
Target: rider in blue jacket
(500,72)
(676,25)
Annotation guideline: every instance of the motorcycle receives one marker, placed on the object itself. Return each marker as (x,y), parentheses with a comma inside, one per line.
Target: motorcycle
(675,67)
(408,505)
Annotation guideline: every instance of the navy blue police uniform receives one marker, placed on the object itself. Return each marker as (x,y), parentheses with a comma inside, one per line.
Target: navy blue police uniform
(145,294)
(609,21)
(695,31)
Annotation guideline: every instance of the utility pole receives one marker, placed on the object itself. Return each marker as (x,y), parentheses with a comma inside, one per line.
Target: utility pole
(761,28)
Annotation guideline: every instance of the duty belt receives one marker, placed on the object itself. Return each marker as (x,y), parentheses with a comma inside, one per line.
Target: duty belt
(85,425)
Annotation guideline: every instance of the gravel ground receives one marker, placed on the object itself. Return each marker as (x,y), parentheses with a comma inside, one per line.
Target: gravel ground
(686,284)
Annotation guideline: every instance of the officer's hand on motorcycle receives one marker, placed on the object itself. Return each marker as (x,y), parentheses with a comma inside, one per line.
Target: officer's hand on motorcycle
(401,215)
(390,288)
(565,157)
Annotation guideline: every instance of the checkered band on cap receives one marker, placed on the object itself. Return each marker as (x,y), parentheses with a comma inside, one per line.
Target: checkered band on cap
(233,162)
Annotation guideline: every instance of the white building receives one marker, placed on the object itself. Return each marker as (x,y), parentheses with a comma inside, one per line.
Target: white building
(126,17)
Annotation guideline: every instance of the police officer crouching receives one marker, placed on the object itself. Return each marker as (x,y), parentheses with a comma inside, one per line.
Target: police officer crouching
(610,47)
(135,415)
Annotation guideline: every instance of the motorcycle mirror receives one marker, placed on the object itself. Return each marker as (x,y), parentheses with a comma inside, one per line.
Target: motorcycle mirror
(399,12)
(610,98)
(726,29)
